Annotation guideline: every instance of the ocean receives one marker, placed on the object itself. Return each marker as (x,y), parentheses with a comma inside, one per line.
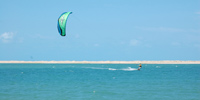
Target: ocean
(99,82)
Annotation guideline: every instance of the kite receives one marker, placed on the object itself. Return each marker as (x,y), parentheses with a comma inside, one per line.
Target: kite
(62,20)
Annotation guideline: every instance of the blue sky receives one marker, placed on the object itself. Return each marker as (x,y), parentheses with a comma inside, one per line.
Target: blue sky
(97,30)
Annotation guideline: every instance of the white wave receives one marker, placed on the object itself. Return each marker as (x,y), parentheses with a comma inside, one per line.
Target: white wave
(158,67)
(124,69)
(111,69)
(129,69)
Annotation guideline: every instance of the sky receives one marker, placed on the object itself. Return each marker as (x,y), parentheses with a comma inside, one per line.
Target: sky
(100,30)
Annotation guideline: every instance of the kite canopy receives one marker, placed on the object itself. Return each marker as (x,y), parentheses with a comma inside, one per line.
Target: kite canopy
(62,20)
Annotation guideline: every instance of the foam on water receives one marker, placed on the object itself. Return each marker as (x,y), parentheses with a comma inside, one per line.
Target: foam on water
(113,69)
(158,67)
(124,69)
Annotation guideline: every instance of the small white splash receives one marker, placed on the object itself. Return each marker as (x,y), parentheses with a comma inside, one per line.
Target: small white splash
(94,91)
(111,69)
(22,72)
(129,69)
(158,67)
(124,69)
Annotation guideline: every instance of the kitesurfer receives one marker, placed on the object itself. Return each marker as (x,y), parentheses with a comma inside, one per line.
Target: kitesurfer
(140,66)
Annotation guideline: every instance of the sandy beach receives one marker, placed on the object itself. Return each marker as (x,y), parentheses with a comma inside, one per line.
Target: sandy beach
(106,62)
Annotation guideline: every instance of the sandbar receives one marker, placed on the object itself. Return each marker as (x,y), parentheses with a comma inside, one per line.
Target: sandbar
(105,62)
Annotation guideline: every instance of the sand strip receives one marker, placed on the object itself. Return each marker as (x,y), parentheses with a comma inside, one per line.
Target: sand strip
(105,62)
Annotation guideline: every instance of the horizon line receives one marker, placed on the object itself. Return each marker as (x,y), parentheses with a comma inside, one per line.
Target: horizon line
(108,62)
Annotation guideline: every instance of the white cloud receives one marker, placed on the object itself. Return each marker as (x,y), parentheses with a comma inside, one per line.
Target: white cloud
(175,43)
(20,40)
(197,45)
(194,30)
(134,42)
(77,36)
(166,29)
(197,12)
(96,45)
(6,37)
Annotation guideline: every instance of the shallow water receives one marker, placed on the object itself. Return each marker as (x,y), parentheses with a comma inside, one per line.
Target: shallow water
(99,82)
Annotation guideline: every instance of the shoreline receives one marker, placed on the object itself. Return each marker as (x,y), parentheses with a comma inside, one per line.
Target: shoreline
(101,62)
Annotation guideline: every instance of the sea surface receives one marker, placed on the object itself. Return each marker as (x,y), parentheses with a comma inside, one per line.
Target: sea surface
(99,82)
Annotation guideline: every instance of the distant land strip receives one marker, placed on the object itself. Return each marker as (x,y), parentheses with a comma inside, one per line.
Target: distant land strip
(105,62)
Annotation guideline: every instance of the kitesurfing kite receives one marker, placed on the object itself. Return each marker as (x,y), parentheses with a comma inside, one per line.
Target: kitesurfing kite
(62,20)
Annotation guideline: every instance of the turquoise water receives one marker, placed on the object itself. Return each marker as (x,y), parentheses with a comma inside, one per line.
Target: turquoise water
(99,82)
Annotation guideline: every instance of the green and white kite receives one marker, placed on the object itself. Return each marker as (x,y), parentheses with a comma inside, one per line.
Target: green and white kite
(62,20)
